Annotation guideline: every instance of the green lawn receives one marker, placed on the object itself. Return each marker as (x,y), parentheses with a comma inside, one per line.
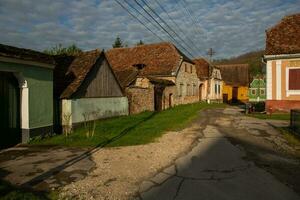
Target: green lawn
(131,130)
(275,116)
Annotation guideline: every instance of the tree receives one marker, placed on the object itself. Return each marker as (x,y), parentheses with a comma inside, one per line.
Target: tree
(118,43)
(60,50)
(140,43)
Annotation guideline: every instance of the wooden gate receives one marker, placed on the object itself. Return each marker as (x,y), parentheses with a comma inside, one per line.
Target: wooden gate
(9,110)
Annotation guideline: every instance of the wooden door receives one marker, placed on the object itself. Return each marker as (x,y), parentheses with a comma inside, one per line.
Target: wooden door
(225,98)
(9,110)
(200,92)
(158,92)
(234,94)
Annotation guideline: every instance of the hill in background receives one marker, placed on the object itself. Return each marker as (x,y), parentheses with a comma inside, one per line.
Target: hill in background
(254,59)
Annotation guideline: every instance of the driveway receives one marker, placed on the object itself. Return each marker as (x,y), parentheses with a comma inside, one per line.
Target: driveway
(236,157)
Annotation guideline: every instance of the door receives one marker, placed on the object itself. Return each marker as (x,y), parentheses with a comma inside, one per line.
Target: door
(200,92)
(225,98)
(9,110)
(234,94)
(158,92)
(170,100)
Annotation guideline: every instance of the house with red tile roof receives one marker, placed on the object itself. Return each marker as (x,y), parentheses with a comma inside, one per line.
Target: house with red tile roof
(85,89)
(210,89)
(155,76)
(282,56)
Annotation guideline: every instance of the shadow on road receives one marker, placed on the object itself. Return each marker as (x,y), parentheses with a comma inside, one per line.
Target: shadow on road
(38,179)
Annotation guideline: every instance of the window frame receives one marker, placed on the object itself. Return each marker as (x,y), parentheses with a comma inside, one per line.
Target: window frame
(287,75)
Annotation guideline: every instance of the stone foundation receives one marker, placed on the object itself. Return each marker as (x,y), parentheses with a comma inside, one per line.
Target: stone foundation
(281,105)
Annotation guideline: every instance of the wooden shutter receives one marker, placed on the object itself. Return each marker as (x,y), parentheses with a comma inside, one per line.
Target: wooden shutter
(294,79)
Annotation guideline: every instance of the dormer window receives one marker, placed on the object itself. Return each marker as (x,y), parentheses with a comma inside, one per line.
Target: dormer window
(139,66)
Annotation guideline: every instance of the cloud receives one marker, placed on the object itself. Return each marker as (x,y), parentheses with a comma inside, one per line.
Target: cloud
(230,27)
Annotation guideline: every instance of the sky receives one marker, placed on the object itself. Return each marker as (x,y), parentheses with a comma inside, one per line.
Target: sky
(231,27)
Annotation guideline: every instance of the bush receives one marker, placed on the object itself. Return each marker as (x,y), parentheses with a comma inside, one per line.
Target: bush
(259,106)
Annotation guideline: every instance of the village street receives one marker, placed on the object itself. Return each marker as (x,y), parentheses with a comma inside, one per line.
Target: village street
(222,155)
(222,168)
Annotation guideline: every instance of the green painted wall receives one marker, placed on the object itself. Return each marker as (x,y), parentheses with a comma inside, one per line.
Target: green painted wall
(105,107)
(259,86)
(40,85)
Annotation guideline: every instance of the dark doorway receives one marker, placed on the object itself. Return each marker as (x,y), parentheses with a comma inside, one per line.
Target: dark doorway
(170,100)
(9,110)
(158,92)
(234,94)
(200,92)
(225,98)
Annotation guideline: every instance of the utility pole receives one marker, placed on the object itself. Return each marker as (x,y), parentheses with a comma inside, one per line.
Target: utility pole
(210,53)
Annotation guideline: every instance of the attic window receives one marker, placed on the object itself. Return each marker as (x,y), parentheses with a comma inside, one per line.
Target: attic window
(139,66)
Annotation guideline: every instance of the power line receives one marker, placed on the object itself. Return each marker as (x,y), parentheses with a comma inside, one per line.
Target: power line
(194,19)
(184,4)
(162,27)
(175,23)
(155,13)
(139,20)
(148,20)
(185,13)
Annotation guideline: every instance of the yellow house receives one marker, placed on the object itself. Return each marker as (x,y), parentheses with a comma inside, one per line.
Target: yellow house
(235,82)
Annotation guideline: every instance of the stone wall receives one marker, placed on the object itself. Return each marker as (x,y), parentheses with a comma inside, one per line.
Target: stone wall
(187,85)
(140,99)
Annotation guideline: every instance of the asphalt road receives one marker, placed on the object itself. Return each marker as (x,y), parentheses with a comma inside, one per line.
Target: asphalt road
(215,168)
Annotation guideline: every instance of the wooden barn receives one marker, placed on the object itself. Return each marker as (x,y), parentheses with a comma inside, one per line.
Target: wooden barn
(86,88)
(235,82)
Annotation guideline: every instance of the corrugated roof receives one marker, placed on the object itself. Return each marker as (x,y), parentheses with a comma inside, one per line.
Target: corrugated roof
(284,38)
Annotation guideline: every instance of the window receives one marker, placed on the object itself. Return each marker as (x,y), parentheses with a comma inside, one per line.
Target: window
(194,89)
(262,91)
(191,68)
(219,89)
(253,91)
(185,68)
(294,79)
(216,88)
(180,89)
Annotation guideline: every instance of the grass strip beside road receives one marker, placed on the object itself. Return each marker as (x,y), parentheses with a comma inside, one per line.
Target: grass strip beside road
(136,129)
(275,116)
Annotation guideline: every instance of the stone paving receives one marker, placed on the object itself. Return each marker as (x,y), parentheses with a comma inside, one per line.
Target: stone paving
(217,169)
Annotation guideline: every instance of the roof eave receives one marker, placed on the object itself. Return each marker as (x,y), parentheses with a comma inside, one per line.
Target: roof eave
(27,62)
(281,56)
